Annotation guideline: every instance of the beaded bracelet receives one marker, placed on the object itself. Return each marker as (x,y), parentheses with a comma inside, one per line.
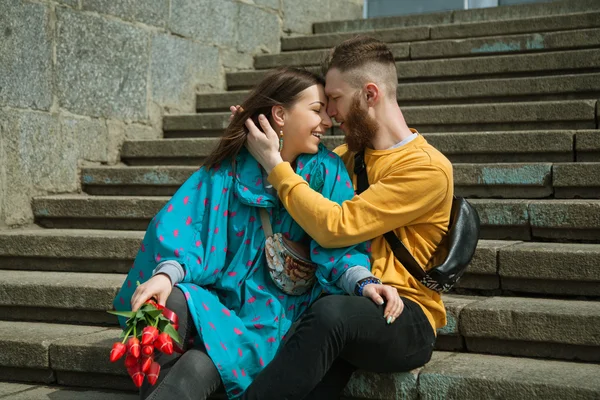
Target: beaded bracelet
(360,285)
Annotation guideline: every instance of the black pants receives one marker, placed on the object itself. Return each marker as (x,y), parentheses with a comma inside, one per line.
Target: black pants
(337,335)
(191,376)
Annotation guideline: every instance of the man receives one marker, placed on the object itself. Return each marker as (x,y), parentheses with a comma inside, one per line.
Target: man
(410,193)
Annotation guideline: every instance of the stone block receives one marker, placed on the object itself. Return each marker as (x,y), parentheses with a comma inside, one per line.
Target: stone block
(51,392)
(257,30)
(220,101)
(91,138)
(503,219)
(503,180)
(96,380)
(517,146)
(274,4)
(539,24)
(179,67)
(369,385)
(576,180)
(39,375)
(248,79)
(219,20)
(234,60)
(56,315)
(153,12)
(484,260)
(26,46)
(587,146)
(63,290)
(344,10)
(300,15)
(25,344)
(565,219)
(383,23)
(172,152)
(113,88)
(29,171)
(72,3)
(454,305)
(559,263)
(471,376)
(568,322)
(86,353)
(505,65)
(137,131)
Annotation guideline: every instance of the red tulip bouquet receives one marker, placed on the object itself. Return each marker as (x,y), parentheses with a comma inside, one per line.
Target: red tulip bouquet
(151,328)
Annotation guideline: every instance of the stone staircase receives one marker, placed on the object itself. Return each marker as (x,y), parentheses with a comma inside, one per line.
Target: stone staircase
(509,94)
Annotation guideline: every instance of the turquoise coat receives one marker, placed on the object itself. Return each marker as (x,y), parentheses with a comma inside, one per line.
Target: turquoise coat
(212,227)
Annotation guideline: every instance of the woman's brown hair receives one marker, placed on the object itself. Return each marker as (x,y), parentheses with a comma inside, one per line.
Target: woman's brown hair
(280,87)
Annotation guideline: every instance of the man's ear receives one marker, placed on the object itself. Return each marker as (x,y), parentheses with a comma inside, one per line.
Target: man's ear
(278,115)
(372,93)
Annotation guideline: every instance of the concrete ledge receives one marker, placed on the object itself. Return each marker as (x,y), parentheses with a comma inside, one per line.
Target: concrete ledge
(475,376)
(561,268)
(19,391)
(400,51)
(325,41)
(588,146)
(545,41)
(565,219)
(576,180)
(503,219)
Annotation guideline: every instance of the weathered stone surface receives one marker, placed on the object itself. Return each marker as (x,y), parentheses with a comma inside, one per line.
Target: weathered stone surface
(539,24)
(220,101)
(25,344)
(383,23)
(454,305)
(469,376)
(234,60)
(72,3)
(115,87)
(518,146)
(536,320)
(565,219)
(96,212)
(37,392)
(26,67)
(178,67)
(300,15)
(173,152)
(137,131)
(28,170)
(153,181)
(90,138)
(96,380)
(257,30)
(153,12)
(329,40)
(499,65)
(274,4)
(56,315)
(576,180)
(484,260)
(559,263)
(219,29)
(587,146)
(506,44)
(503,180)
(86,353)
(315,57)
(503,219)
(66,290)
(248,79)
(37,375)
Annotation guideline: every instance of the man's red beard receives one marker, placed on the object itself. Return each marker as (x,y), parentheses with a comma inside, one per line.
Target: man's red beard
(361,128)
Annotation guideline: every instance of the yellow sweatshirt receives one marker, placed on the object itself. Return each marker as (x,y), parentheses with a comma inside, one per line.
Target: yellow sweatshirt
(410,193)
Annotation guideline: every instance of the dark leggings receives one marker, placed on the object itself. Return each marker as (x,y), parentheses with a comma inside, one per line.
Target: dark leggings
(188,376)
(337,335)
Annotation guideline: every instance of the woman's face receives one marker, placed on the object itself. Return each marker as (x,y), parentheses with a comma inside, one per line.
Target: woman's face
(304,123)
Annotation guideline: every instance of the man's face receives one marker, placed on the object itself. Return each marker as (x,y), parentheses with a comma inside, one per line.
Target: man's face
(347,107)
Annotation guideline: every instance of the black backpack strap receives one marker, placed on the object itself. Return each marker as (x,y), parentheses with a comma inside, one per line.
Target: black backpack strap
(400,251)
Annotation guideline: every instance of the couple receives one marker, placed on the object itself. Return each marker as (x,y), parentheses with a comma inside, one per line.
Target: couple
(204,253)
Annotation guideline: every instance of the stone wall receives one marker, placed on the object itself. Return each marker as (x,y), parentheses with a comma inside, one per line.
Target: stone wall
(77,77)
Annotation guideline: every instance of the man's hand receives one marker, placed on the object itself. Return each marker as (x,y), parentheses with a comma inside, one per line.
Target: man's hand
(159,287)
(388,294)
(263,145)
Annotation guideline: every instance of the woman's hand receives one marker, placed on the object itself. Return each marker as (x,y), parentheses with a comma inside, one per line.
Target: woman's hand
(263,145)
(234,110)
(159,287)
(388,294)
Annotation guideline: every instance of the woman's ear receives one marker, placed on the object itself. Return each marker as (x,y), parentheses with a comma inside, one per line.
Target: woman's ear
(278,115)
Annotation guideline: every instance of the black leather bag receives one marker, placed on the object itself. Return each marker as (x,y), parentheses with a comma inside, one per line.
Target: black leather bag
(453,254)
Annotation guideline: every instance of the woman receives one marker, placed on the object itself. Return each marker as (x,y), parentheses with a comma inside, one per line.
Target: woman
(208,240)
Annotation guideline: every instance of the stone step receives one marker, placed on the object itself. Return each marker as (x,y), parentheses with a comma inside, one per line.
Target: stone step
(567,114)
(531,42)
(512,65)
(22,391)
(555,87)
(460,17)
(400,51)
(459,147)
(515,180)
(70,250)
(66,297)
(547,268)
(500,218)
(450,31)
(450,48)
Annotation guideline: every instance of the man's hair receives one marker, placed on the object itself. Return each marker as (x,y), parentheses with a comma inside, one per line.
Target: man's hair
(364,59)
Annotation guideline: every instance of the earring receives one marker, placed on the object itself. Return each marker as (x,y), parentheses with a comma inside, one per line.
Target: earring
(280,140)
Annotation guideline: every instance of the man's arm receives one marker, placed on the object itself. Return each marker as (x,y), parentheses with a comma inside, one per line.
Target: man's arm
(402,198)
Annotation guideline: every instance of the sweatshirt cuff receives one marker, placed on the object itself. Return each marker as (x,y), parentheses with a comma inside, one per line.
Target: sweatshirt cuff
(281,173)
(172,269)
(348,280)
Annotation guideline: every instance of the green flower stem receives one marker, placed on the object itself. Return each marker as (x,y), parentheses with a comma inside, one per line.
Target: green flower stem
(127,334)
